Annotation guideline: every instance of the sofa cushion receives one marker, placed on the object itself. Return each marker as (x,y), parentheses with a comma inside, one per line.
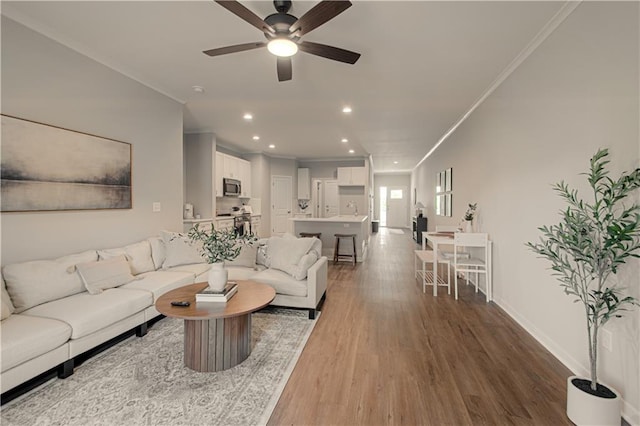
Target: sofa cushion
(282,282)
(103,274)
(25,337)
(159,282)
(194,268)
(240,273)
(247,257)
(40,281)
(87,313)
(180,250)
(299,271)
(284,253)
(138,255)
(158,252)
(7,306)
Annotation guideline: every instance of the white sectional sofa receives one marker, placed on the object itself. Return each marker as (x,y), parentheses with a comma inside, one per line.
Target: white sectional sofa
(53,311)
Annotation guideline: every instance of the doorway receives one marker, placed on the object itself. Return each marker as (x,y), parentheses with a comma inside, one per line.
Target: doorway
(393,206)
(324,197)
(281,202)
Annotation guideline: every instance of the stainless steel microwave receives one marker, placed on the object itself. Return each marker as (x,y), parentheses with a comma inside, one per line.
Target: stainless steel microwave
(231,187)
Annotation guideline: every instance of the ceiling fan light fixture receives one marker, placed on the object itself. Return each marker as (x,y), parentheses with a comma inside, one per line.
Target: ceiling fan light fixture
(282,47)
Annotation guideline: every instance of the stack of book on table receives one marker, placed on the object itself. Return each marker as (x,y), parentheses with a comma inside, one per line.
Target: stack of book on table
(208,295)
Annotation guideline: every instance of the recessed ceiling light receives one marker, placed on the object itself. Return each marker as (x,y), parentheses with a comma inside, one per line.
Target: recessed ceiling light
(272,146)
(344,140)
(198,89)
(395,162)
(346,109)
(256,138)
(247,116)
(351,151)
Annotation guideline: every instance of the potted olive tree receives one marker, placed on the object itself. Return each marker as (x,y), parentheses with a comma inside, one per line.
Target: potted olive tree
(218,246)
(586,249)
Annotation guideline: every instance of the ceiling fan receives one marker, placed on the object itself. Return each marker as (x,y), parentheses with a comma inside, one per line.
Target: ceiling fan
(283,33)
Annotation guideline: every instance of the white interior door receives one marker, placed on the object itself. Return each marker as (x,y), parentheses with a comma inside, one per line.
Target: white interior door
(281,202)
(397,214)
(330,198)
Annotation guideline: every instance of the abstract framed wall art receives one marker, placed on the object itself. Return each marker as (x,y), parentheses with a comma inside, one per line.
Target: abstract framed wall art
(48,168)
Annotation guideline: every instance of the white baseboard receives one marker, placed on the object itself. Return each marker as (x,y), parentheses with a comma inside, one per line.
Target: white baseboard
(629,412)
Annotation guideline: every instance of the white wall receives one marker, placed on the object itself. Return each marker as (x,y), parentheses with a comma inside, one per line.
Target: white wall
(49,83)
(577,92)
(199,166)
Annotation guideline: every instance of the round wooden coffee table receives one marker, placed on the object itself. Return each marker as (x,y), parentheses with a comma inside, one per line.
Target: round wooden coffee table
(217,336)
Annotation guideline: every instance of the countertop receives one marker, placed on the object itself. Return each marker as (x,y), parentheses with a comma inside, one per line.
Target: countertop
(337,219)
(211,220)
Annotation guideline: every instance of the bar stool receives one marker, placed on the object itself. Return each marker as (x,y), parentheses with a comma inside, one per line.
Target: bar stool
(336,253)
(310,234)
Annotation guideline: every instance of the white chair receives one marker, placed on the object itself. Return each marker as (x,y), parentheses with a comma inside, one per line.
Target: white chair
(428,277)
(480,264)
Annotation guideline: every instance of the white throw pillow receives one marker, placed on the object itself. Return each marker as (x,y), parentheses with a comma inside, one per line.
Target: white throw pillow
(299,272)
(247,257)
(180,250)
(158,251)
(261,255)
(284,253)
(40,281)
(138,255)
(104,274)
(7,307)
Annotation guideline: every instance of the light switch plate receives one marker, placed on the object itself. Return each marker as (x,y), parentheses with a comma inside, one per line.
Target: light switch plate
(156,207)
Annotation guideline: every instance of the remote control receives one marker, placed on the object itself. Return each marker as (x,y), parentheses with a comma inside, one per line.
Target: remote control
(183,304)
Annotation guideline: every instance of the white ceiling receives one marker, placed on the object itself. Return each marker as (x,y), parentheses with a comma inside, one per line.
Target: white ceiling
(423,65)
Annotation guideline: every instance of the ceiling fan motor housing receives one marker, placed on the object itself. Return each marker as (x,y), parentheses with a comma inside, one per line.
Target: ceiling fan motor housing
(280,22)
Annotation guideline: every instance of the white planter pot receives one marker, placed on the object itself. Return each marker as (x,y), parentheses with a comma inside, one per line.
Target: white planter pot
(468,226)
(218,276)
(586,409)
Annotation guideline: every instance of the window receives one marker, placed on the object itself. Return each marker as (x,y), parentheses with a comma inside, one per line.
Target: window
(395,194)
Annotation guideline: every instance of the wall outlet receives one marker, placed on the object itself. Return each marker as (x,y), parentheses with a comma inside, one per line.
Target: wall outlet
(156,207)
(607,339)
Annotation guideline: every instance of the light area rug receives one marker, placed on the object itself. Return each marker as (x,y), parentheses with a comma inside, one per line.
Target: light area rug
(395,231)
(143,381)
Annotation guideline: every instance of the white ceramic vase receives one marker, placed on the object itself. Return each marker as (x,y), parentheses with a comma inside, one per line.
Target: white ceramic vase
(586,409)
(218,276)
(468,226)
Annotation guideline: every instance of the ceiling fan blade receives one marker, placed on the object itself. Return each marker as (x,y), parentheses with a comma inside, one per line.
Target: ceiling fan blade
(318,15)
(329,52)
(246,15)
(233,49)
(284,69)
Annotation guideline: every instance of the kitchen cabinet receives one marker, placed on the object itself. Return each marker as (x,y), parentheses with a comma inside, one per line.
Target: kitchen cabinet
(224,223)
(231,167)
(228,166)
(255,225)
(352,176)
(304,184)
(244,168)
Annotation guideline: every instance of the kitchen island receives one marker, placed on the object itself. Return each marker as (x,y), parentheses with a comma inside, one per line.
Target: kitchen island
(342,224)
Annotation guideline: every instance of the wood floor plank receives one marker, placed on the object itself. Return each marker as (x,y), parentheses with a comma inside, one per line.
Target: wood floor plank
(383,352)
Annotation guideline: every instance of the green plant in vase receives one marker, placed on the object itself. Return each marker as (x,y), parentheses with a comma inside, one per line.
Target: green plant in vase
(218,246)
(586,249)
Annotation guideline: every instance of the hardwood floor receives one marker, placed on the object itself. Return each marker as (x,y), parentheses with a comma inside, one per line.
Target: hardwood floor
(383,352)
